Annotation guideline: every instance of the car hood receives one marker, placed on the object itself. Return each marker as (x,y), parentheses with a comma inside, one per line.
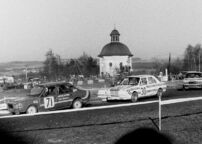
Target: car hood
(14,99)
(122,87)
(192,79)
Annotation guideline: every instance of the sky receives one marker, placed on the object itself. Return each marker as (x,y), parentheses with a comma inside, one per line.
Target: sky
(150,28)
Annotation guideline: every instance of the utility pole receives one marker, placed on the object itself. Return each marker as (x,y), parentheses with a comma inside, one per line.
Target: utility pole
(26,73)
(169,76)
(199,64)
(188,61)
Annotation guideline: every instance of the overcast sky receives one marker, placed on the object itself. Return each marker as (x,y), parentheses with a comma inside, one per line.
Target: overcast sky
(150,28)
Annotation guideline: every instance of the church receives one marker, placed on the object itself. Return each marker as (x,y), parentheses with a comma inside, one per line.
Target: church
(114,55)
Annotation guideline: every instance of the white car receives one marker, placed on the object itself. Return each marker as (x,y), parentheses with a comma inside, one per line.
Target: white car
(193,79)
(134,87)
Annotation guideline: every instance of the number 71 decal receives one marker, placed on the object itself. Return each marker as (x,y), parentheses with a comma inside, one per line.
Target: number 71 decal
(49,102)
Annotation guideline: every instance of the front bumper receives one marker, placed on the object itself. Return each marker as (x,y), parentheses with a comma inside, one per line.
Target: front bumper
(6,108)
(86,99)
(192,86)
(5,112)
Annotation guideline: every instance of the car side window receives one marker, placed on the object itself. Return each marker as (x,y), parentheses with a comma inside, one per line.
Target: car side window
(151,80)
(134,81)
(52,91)
(143,81)
(65,89)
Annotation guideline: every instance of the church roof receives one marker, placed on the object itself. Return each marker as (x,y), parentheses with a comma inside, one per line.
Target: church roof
(115,49)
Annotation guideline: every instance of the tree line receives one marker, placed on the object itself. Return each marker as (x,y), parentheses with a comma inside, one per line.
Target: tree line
(191,61)
(56,68)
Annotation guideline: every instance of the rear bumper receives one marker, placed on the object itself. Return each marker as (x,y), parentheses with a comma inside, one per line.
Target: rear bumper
(86,99)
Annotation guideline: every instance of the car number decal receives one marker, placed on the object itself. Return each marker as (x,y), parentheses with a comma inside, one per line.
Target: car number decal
(49,102)
(143,91)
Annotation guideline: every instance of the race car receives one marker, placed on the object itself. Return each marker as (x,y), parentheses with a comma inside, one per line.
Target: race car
(46,97)
(192,79)
(134,87)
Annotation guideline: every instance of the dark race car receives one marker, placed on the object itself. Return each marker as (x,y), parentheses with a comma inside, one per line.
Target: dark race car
(46,97)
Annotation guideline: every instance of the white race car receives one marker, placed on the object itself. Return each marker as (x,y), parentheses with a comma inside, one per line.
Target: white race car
(134,87)
(193,79)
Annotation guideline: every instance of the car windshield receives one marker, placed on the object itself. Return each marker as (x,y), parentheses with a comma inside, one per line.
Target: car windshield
(193,75)
(36,91)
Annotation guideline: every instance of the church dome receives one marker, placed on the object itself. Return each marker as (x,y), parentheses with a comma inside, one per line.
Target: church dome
(115,49)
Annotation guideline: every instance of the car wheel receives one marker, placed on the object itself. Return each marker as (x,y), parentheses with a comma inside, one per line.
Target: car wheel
(134,97)
(77,103)
(31,110)
(107,99)
(160,93)
(185,88)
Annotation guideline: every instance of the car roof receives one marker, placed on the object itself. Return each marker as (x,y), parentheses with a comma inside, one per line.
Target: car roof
(53,83)
(145,75)
(193,72)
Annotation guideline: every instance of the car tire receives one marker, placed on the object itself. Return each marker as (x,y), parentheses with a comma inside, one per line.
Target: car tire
(107,99)
(159,93)
(185,88)
(31,110)
(77,103)
(134,97)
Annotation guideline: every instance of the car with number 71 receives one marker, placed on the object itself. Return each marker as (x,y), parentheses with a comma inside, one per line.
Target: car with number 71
(133,87)
(47,97)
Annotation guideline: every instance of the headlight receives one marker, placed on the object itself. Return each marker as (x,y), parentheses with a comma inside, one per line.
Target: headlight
(129,92)
(3,106)
(185,81)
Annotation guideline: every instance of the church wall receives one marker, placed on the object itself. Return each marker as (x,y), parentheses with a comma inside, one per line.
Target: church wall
(115,61)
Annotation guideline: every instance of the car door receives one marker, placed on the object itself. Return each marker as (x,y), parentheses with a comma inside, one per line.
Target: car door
(48,100)
(64,99)
(152,86)
(143,87)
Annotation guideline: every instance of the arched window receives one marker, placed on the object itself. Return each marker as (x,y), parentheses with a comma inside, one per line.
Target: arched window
(110,64)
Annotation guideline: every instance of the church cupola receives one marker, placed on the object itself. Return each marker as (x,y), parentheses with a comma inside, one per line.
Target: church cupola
(115,36)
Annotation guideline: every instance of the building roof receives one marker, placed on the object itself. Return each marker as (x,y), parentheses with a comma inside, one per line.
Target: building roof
(115,49)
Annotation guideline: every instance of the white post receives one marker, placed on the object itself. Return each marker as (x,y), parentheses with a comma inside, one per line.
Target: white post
(159,113)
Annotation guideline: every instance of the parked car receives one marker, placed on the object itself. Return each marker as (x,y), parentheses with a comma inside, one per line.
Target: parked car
(192,79)
(134,87)
(47,96)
